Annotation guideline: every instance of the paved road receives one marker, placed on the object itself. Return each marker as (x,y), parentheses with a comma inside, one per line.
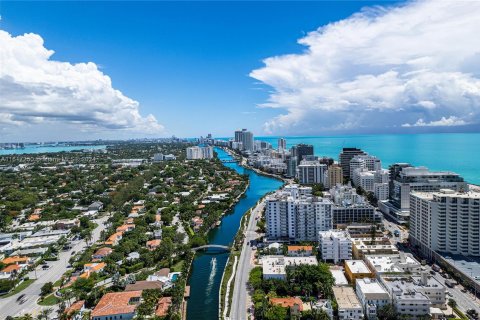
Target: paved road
(10,307)
(240,292)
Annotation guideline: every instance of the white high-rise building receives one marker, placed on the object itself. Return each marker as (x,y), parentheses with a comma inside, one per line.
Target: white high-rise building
(195,153)
(246,138)
(381,191)
(335,245)
(282,145)
(311,172)
(446,221)
(364,179)
(368,162)
(294,214)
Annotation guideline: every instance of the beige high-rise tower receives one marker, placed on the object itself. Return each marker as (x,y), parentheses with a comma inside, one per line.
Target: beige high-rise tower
(334,175)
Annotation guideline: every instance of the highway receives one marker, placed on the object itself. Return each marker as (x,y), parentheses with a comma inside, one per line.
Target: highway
(240,293)
(11,307)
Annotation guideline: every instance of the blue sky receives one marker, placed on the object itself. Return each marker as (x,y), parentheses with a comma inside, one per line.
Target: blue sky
(190,68)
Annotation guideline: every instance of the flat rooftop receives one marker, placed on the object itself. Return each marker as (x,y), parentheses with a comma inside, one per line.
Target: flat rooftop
(346,298)
(357,266)
(339,276)
(371,287)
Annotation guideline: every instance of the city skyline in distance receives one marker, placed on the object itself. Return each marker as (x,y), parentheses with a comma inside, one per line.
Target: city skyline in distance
(119,70)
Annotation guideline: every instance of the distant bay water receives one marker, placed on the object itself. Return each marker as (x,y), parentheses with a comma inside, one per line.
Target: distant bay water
(458,152)
(49,149)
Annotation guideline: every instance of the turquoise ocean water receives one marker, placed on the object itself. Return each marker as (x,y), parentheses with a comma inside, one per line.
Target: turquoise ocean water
(47,149)
(458,152)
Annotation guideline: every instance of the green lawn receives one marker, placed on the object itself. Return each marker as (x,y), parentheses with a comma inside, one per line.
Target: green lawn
(177,267)
(49,300)
(58,283)
(19,288)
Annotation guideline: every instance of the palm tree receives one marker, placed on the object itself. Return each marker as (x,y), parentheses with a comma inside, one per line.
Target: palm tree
(45,314)
(452,304)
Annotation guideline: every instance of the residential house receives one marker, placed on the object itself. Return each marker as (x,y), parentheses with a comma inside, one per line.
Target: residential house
(95,206)
(125,228)
(299,251)
(293,303)
(163,305)
(153,244)
(17,260)
(90,268)
(76,310)
(114,239)
(197,223)
(11,271)
(102,253)
(117,305)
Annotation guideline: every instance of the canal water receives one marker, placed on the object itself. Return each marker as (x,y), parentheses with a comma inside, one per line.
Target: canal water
(207,269)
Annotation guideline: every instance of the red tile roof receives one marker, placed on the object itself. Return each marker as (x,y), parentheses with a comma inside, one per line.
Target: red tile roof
(116,303)
(287,302)
(162,306)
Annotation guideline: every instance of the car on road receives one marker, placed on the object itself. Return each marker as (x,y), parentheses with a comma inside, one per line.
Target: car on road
(73,252)
(20,297)
(45,267)
(432,272)
(464,290)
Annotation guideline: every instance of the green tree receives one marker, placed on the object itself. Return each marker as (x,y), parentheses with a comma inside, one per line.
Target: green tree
(452,304)
(47,288)
(274,312)
(387,312)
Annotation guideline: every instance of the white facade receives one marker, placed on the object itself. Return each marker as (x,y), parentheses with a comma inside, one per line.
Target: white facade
(335,245)
(294,214)
(446,221)
(393,263)
(246,139)
(311,172)
(195,153)
(372,296)
(370,163)
(364,178)
(381,191)
(274,267)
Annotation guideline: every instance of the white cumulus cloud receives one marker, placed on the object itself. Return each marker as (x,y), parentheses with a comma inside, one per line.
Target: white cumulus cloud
(382,67)
(443,122)
(34,88)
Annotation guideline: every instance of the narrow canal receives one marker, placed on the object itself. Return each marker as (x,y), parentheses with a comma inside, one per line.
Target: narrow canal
(207,269)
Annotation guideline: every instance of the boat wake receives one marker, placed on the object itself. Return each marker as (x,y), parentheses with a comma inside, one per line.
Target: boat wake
(211,278)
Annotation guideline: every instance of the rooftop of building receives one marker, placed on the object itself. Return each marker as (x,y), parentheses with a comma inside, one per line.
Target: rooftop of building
(346,298)
(287,302)
(144,285)
(300,248)
(117,303)
(277,264)
(391,263)
(370,286)
(339,276)
(357,266)
(334,234)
